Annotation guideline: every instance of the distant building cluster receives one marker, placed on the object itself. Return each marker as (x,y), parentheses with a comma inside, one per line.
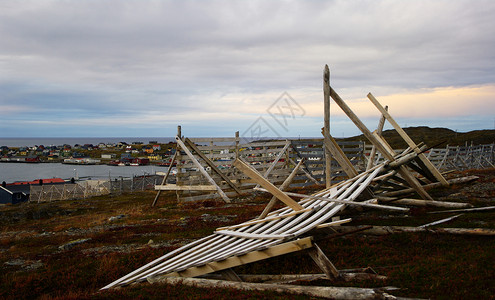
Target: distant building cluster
(112,153)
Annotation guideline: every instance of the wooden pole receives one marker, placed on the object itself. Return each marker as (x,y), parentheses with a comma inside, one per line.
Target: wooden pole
(379,130)
(284,186)
(212,165)
(326,110)
(201,169)
(413,182)
(253,174)
(326,292)
(429,166)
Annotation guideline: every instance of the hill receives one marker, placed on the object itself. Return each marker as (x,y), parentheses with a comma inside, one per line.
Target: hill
(434,137)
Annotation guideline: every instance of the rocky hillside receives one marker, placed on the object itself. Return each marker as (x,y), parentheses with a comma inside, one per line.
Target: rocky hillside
(435,137)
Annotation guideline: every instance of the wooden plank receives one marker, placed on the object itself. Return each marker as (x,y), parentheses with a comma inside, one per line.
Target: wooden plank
(274,163)
(379,146)
(250,257)
(339,155)
(249,223)
(174,187)
(379,130)
(201,169)
(212,165)
(326,125)
(440,221)
(256,236)
(431,168)
(231,275)
(165,177)
(347,202)
(249,171)
(298,291)
(284,186)
(323,262)
(215,139)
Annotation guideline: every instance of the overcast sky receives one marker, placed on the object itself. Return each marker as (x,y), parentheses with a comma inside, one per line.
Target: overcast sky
(140,68)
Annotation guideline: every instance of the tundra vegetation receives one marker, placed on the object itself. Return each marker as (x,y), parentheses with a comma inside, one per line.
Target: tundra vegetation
(70,249)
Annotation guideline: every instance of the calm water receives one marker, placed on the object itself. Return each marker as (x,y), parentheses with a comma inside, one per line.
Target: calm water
(21,142)
(10,172)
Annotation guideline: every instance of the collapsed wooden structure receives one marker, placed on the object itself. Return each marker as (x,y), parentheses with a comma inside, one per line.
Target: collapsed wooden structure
(293,227)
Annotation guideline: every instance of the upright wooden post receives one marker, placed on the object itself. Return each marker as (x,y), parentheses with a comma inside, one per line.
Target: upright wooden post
(326,127)
(379,130)
(237,144)
(429,166)
(201,169)
(412,181)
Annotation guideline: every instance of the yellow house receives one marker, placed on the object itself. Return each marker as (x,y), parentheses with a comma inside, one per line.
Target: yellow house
(154,157)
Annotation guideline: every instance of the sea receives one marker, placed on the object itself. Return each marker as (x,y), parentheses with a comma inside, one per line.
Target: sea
(12,172)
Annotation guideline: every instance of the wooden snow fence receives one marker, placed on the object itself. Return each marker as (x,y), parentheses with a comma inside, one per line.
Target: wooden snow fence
(205,165)
(280,232)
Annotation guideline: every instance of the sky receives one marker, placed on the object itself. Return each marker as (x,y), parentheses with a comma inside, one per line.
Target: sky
(117,68)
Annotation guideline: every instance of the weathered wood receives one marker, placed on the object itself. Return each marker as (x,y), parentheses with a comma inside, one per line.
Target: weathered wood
(440,221)
(338,293)
(284,186)
(432,185)
(212,165)
(289,278)
(165,177)
(431,168)
(383,230)
(246,169)
(323,262)
(174,187)
(379,130)
(254,235)
(249,223)
(306,173)
(250,257)
(326,126)
(385,152)
(420,202)
(275,161)
(347,202)
(476,209)
(339,155)
(201,169)
(334,223)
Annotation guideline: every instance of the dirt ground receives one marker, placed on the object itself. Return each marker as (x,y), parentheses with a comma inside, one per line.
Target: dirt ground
(70,249)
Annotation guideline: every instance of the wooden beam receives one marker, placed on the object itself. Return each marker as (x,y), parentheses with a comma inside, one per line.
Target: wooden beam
(347,202)
(323,262)
(323,292)
(255,236)
(174,187)
(339,155)
(165,177)
(212,165)
(326,115)
(284,186)
(379,130)
(253,174)
(250,257)
(430,167)
(274,163)
(252,222)
(379,146)
(201,169)
(231,275)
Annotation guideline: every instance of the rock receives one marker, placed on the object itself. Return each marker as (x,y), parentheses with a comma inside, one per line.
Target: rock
(71,244)
(115,218)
